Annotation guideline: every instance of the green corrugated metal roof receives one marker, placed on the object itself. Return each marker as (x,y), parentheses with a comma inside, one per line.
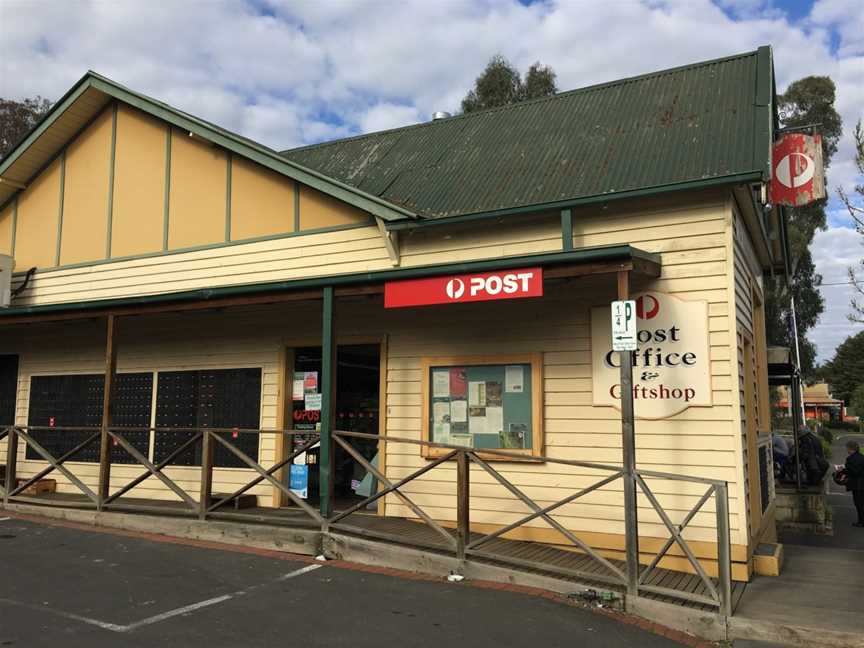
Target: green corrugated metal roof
(686,126)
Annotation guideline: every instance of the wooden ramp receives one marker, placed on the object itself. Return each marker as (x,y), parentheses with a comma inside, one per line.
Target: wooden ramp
(544,559)
(531,557)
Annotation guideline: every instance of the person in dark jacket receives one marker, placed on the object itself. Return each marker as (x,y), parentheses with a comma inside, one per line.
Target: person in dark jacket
(855,478)
(813,460)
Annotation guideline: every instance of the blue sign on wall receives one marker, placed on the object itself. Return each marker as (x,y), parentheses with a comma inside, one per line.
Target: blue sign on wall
(300,480)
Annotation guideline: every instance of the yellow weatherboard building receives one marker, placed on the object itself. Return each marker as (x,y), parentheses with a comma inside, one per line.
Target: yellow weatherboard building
(172,278)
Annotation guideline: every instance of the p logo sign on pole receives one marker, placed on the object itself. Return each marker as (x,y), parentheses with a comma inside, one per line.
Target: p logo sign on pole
(797,176)
(624,325)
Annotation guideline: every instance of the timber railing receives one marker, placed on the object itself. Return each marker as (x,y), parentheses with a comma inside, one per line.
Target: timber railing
(13,491)
(465,545)
(207,504)
(460,542)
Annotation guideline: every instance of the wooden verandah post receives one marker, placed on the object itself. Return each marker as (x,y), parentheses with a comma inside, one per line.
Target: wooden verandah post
(107,407)
(328,367)
(628,439)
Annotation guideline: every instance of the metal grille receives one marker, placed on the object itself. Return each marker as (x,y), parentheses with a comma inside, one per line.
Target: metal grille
(211,398)
(76,401)
(8,388)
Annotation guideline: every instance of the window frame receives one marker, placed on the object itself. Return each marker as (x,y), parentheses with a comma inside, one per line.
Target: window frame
(535,360)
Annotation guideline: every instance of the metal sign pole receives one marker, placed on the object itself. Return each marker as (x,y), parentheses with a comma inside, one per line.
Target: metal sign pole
(797,391)
(628,441)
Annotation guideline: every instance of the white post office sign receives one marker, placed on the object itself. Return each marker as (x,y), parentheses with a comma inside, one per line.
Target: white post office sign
(671,366)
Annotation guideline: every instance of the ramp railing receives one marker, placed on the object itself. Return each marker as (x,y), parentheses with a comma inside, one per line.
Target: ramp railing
(594,567)
(455,537)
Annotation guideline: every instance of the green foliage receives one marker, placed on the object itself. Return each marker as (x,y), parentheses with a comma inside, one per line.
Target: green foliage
(826,433)
(807,101)
(855,204)
(846,369)
(808,306)
(17,118)
(842,426)
(539,82)
(501,84)
(856,403)
(811,101)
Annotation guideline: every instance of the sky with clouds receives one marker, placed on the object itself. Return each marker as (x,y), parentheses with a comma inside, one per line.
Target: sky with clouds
(292,72)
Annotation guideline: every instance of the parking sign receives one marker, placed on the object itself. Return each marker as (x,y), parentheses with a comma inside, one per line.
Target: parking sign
(624,325)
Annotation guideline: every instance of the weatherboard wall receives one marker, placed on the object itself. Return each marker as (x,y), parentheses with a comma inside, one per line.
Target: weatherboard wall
(751,353)
(691,233)
(692,236)
(168,343)
(131,187)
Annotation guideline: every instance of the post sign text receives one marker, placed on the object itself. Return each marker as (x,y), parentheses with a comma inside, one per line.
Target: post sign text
(452,289)
(671,364)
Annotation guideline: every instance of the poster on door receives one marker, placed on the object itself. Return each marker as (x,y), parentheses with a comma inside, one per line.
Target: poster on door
(299,480)
(672,364)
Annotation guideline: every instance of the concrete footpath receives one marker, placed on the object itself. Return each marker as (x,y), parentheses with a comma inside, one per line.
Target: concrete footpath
(821,586)
(75,587)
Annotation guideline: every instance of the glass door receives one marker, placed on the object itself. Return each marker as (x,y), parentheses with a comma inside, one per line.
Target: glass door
(356,410)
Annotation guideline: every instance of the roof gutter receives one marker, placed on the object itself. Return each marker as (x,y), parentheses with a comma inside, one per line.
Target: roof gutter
(586,255)
(689,185)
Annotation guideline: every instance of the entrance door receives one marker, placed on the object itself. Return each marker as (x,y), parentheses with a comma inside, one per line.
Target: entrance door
(8,389)
(358,372)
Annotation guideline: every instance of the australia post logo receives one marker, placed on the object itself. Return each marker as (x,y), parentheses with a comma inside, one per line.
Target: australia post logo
(671,367)
(797,174)
(486,286)
(455,289)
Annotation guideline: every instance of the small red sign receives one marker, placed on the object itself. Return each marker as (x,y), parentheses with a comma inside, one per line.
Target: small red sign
(452,289)
(306,416)
(458,382)
(797,176)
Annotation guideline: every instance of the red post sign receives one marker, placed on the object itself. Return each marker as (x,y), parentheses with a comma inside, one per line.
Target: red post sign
(797,177)
(485,286)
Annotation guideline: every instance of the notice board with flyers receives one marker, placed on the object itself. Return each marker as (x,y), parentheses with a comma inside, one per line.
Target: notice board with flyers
(483,402)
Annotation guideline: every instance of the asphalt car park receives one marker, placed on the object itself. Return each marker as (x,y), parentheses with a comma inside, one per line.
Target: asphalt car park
(76,587)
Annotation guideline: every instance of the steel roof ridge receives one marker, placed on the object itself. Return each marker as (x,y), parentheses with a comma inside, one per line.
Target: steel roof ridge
(528,102)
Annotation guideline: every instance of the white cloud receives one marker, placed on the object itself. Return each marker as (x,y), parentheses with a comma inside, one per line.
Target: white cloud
(387,115)
(337,62)
(848,18)
(288,73)
(834,251)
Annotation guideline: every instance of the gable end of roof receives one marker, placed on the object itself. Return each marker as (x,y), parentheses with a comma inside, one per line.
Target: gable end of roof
(17,169)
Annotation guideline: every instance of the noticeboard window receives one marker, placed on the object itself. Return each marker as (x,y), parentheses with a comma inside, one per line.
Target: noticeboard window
(483,402)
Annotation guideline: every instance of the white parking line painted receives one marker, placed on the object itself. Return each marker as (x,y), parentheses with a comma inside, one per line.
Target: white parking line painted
(182,610)
(219,599)
(5,519)
(66,615)
(186,609)
(299,572)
